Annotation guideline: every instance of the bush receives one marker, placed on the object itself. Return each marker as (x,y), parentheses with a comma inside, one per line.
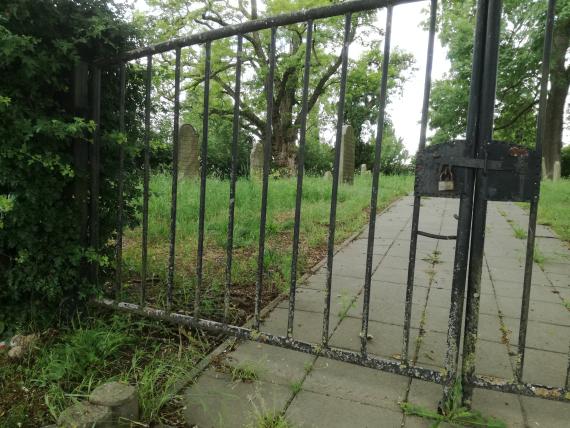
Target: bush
(41,41)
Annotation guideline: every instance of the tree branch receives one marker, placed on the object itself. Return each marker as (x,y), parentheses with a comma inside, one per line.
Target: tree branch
(517,116)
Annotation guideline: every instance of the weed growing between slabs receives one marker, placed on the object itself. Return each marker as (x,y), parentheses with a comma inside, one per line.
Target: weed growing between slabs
(352,214)
(452,412)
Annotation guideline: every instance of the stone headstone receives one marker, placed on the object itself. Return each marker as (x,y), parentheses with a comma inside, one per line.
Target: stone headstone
(544,176)
(363,169)
(256,160)
(188,152)
(556,171)
(327,175)
(346,170)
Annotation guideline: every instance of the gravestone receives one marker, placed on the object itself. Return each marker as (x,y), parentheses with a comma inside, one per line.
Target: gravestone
(188,152)
(327,175)
(346,170)
(363,169)
(256,161)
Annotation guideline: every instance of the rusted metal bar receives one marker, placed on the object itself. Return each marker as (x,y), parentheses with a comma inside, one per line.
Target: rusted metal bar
(203,179)
(300,171)
(256,25)
(146,178)
(375,181)
(233,178)
(121,179)
(436,236)
(266,167)
(417,198)
(336,177)
(529,259)
(174,191)
(485,134)
(95,163)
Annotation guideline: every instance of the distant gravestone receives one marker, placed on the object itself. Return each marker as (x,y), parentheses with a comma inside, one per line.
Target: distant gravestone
(346,170)
(544,175)
(556,171)
(363,169)
(188,152)
(256,161)
(327,175)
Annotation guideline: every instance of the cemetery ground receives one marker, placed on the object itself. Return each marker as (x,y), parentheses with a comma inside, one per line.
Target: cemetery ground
(67,361)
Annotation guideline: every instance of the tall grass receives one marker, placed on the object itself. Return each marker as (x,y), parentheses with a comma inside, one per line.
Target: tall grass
(352,214)
(554,206)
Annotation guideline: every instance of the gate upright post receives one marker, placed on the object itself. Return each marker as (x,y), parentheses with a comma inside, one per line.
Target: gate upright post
(484,135)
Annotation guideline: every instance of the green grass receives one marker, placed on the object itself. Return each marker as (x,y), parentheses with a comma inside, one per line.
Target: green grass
(554,207)
(352,214)
(519,232)
(66,365)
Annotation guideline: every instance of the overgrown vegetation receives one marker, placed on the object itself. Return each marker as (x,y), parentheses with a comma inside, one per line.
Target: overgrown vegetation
(66,365)
(553,207)
(41,244)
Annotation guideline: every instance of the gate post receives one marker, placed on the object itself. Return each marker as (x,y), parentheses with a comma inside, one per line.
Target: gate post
(484,133)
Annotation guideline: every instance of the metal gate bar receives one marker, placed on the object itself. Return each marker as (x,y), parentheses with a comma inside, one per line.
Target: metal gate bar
(478,130)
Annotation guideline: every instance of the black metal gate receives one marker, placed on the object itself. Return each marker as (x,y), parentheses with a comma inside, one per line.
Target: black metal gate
(475,170)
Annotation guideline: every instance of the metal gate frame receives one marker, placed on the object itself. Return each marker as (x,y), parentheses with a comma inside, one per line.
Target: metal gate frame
(470,160)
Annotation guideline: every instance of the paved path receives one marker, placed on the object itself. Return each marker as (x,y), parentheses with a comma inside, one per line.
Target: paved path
(318,392)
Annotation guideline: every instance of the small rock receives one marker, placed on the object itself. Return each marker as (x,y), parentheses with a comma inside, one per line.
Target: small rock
(16,353)
(23,340)
(85,415)
(120,398)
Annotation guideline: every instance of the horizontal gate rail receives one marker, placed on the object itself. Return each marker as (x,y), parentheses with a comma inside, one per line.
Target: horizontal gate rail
(474,166)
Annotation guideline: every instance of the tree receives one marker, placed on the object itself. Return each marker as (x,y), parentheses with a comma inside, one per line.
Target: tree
(522,36)
(177,17)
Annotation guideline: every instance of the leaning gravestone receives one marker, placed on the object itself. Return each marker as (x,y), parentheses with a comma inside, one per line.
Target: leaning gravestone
(346,170)
(256,161)
(188,152)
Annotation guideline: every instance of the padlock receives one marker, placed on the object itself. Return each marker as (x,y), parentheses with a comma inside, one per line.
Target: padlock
(445,179)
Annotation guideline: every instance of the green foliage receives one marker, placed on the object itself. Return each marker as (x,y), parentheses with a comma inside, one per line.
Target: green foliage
(41,41)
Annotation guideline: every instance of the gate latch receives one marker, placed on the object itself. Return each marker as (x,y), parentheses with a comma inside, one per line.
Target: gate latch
(446,181)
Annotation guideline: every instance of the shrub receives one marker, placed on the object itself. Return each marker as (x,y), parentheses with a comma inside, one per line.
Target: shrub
(565,161)
(41,41)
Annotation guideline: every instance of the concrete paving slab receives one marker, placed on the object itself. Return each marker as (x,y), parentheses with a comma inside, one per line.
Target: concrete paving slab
(312,410)
(543,413)
(218,402)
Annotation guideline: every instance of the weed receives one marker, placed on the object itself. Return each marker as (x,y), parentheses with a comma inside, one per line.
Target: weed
(453,412)
(308,366)
(270,420)
(538,257)
(346,302)
(245,372)
(433,257)
(566,304)
(520,233)
(296,386)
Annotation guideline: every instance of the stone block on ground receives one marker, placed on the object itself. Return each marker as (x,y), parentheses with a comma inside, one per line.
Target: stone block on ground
(120,398)
(188,152)
(86,415)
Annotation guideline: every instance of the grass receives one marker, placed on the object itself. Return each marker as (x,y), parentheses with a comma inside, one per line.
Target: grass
(519,232)
(245,372)
(66,365)
(452,412)
(352,214)
(553,207)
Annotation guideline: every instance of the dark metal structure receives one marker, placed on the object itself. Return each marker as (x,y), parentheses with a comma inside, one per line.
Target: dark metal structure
(475,170)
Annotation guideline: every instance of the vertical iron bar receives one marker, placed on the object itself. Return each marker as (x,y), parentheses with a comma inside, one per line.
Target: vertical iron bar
(266,165)
(375,180)
(119,243)
(336,178)
(417,198)
(527,283)
(233,178)
(203,176)
(485,135)
(148,84)
(300,171)
(174,196)
(95,172)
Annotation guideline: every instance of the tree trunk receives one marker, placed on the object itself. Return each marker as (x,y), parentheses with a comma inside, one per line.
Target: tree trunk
(559,81)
